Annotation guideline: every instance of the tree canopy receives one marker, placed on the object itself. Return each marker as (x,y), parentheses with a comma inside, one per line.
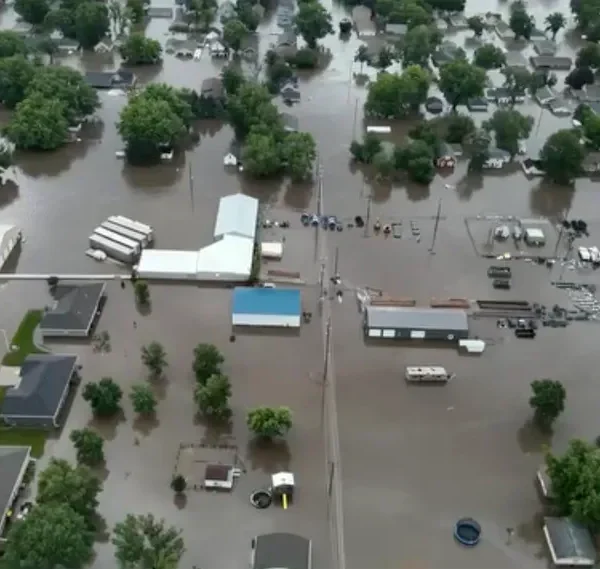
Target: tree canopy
(16,73)
(520,22)
(11,43)
(313,22)
(213,396)
(579,77)
(417,160)
(154,357)
(461,81)
(509,127)
(91,23)
(476,25)
(143,542)
(269,422)
(554,23)
(103,396)
(589,56)
(562,156)
(418,45)
(32,11)
(489,56)
(137,49)
(207,362)
(234,33)
(143,399)
(89,446)
(547,401)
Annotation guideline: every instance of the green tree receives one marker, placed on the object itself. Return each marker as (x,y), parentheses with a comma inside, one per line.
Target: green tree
(426,131)
(247,14)
(38,124)
(154,357)
(419,43)
(103,396)
(67,86)
(589,56)
(137,49)
(384,163)
(555,22)
(207,362)
(461,81)
(233,79)
(476,25)
(562,156)
(234,33)
(591,130)
(32,11)
(385,58)
(458,128)
(143,400)
(575,482)
(547,401)
(213,396)
(178,484)
(313,22)
(15,75)
(48,46)
(251,106)
(261,156)
(278,73)
(269,422)
(91,23)
(143,542)
(89,446)
(417,160)
(366,151)
(517,81)
(489,56)
(177,99)
(412,13)
(145,124)
(362,56)
(141,291)
(509,127)
(51,536)
(478,146)
(76,487)
(63,20)
(11,43)
(298,153)
(116,13)
(520,22)
(136,10)
(579,77)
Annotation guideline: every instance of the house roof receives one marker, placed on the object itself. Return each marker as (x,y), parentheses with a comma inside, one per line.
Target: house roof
(569,540)
(416,318)
(494,153)
(287,38)
(271,301)
(75,307)
(290,92)
(551,62)
(212,87)
(282,550)
(237,215)
(44,378)
(109,79)
(12,460)
(159,12)
(545,92)
(544,47)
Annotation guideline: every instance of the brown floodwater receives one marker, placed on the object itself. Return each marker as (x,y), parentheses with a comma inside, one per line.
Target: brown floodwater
(412,460)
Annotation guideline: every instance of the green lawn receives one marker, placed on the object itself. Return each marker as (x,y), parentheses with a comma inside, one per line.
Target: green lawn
(23,338)
(24,437)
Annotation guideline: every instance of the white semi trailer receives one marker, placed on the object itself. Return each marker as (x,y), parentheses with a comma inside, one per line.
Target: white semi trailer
(140,238)
(120,239)
(133,225)
(114,250)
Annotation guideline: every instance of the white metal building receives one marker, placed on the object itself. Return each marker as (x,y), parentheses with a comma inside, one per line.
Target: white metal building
(10,235)
(271,250)
(237,215)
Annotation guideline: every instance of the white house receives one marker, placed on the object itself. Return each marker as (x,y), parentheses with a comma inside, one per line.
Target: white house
(230,159)
(217,49)
(497,159)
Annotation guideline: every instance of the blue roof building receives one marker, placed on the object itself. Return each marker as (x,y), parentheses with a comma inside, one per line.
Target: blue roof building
(280,307)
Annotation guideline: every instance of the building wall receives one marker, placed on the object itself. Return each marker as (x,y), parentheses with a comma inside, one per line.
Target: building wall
(29,422)
(411,334)
(15,490)
(266,320)
(48,332)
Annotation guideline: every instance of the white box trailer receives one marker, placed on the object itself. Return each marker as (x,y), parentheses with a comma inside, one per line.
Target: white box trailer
(112,249)
(129,233)
(120,239)
(428,374)
(133,225)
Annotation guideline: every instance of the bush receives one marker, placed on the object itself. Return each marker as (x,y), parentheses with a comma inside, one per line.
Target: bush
(269,422)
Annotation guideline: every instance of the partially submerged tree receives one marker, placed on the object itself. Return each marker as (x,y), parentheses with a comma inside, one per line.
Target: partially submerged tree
(555,22)
(212,397)
(89,446)
(16,73)
(518,81)
(91,23)
(141,291)
(418,45)
(547,401)
(520,22)
(234,33)
(366,151)
(313,22)
(143,542)
(489,56)
(298,153)
(178,484)
(385,58)
(137,49)
(476,25)
(103,396)
(207,362)
(269,422)
(12,43)
(417,160)
(591,129)
(579,78)
(32,11)
(154,357)
(143,399)
(461,81)
(589,56)
(458,128)
(233,79)
(478,146)
(261,156)
(509,127)
(362,56)
(562,156)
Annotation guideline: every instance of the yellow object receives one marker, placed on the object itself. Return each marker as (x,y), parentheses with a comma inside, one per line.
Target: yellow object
(284,501)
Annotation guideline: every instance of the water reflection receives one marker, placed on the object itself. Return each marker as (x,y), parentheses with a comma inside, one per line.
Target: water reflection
(269,456)
(297,196)
(550,200)
(161,177)
(54,163)
(468,185)
(9,192)
(417,192)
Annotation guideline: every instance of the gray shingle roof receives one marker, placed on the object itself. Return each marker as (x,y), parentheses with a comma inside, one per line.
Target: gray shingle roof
(11,464)
(417,318)
(44,378)
(75,307)
(282,550)
(568,540)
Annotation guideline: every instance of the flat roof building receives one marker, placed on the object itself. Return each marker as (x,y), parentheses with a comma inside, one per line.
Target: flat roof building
(75,309)
(405,323)
(270,307)
(569,542)
(281,550)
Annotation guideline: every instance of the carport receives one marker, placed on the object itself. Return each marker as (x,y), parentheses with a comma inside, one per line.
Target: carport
(569,542)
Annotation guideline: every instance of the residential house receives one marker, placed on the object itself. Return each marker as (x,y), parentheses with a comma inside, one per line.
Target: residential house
(230,159)
(180,21)
(497,159)
(594,107)
(212,88)
(159,12)
(458,21)
(287,43)
(64,46)
(446,157)
(281,550)
(441,25)
(504,96)
(545,95)
(589,94)
(477,105)
(560,107)
(446,53)
(218,50)
(503,31)
(121,79)
(545,47)
(551,62)
(537,35)
(570,543)
(234,155)
(249,49)
(184,49)
(591,163)
(41,392)
(290,122)
(285,17)
(516,59)
(14,461)
(290,93)
(396,30)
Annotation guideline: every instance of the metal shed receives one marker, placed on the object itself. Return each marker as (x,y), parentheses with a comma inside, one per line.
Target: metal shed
(272,307)
(416,323)
(570,543)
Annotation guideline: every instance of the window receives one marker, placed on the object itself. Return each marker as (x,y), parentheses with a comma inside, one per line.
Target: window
(389,333)
(417,334)
(374,333)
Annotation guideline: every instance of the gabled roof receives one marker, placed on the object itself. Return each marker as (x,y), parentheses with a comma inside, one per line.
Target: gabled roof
(12,460)
(75,307)
(237,215)
(44,378)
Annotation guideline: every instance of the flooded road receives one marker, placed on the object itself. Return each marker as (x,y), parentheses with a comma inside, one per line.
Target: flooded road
(414,460)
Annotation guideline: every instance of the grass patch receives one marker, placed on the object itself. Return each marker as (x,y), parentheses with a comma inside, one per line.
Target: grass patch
(24,437)
(23,339)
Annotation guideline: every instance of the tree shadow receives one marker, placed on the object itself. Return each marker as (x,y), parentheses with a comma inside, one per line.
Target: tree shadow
(107,426)
(551,200)
(180,500)
(215,430)
(145,424)
(468,185)
(144,309)
(269,455)
(298,195)
(532,438)
(101,471)
(9,192)
(159,387)
(101,530)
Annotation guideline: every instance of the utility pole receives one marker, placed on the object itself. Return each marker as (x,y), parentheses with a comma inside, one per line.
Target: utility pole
(336,261)
(354,121)
(191,184)
(368,215)
(435,227)
(327,351)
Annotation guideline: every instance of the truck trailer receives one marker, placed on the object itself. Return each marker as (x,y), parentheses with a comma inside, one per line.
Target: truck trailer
(120,239)
(140,238)
(133,225)
(112,249)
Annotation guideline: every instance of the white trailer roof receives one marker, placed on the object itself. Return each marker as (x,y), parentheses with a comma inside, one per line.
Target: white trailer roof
(167,263)
(237,215)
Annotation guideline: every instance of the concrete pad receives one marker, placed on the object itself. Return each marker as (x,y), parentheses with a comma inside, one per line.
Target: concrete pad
(9,376)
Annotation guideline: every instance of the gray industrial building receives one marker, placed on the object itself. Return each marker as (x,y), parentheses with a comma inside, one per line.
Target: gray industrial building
(402,323)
